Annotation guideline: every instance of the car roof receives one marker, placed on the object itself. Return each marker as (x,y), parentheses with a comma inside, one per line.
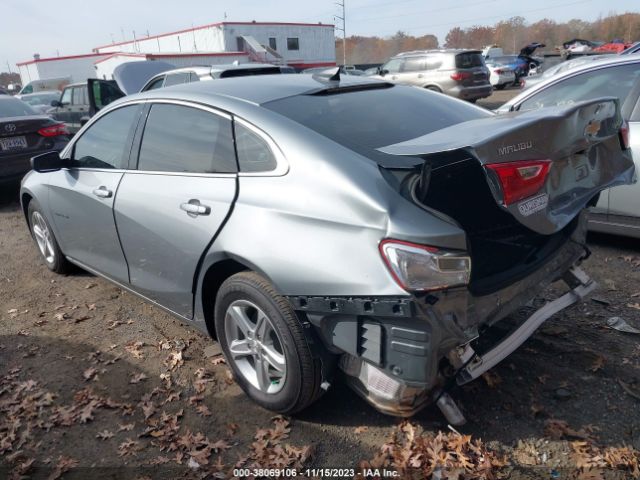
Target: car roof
(437,50)
(41,92)
(259,89)
(603,62)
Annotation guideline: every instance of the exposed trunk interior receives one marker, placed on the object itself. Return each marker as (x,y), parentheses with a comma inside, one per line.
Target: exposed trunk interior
(502,250)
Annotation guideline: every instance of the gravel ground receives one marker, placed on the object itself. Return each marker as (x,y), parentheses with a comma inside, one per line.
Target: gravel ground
(93,377)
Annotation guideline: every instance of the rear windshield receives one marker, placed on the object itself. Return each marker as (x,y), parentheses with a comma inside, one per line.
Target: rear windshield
(12,107)
(369,119)
(469,60)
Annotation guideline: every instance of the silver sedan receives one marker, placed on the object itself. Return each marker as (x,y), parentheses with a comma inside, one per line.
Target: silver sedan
(312,223)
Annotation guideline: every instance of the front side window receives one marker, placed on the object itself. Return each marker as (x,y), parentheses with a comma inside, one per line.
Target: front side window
(293,43)
(393,66)
(104,144)
(186,139)
(177,79)
(614,81)
(254,154)
(66,96)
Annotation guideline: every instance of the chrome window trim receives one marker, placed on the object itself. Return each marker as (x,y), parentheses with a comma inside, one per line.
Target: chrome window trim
(282,166)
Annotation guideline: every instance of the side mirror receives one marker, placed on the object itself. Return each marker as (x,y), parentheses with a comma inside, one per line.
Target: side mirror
(48,162)
(56,103)
(383,72)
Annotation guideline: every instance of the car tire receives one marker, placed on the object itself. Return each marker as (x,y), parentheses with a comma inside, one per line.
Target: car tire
(248,299)
(502,86)
(45,240)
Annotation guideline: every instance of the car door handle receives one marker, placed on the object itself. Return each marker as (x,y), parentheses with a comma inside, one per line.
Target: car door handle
(194,207)
(102,192)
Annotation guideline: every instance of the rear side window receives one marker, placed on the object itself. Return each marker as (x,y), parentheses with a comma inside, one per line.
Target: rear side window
(80,96)
(414,64)
(254,154)
(177,79)
(614,81)
(104,144)
(469,60)
(186,139)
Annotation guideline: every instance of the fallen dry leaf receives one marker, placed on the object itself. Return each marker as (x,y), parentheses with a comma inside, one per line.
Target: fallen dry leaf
(361,429)
(104,435)
(138,378)
(598,363)
(89,373)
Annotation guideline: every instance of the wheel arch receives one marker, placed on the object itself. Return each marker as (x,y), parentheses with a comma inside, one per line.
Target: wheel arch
(214,274)
(25,200)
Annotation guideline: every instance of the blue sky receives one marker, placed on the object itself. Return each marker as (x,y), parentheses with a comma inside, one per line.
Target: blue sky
(75,26)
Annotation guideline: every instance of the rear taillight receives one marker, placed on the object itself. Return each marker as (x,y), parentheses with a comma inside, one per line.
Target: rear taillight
(624,135)
(499,72)
(520,179)
(419,267)
(54,130)
(459,76)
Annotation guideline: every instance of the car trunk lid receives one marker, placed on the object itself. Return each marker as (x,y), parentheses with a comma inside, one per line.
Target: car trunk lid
(579,144)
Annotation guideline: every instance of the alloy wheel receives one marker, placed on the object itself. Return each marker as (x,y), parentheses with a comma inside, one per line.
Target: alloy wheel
(43,237)
(255,346)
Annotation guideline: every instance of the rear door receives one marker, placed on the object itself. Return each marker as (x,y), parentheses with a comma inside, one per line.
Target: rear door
(169,210)
(81,197)
(625,200)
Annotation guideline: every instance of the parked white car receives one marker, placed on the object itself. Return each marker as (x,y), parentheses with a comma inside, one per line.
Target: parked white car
(500,75)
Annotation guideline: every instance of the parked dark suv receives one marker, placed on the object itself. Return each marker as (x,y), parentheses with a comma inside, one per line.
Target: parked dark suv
(459,73)
(72,108)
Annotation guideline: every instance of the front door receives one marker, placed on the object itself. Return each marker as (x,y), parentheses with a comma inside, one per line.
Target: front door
(169,211)
(81,198)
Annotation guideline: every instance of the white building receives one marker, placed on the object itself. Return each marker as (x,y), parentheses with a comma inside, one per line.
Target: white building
(300,45)
(77,68)
(105,66)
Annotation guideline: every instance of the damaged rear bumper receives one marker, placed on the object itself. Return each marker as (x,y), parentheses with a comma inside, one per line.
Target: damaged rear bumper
(393,350)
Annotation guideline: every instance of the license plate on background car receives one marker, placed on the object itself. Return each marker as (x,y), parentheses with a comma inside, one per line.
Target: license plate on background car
(13,143)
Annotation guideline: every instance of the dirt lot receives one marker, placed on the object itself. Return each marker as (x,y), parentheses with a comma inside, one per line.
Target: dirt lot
(92,377)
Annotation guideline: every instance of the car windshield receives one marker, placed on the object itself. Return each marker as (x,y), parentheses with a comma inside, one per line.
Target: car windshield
(41,98)
(12,107)
(368,119)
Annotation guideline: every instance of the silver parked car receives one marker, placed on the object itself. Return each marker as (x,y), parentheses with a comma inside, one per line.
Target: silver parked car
(315,223)
(458,73)
(212,72)
(618,210)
